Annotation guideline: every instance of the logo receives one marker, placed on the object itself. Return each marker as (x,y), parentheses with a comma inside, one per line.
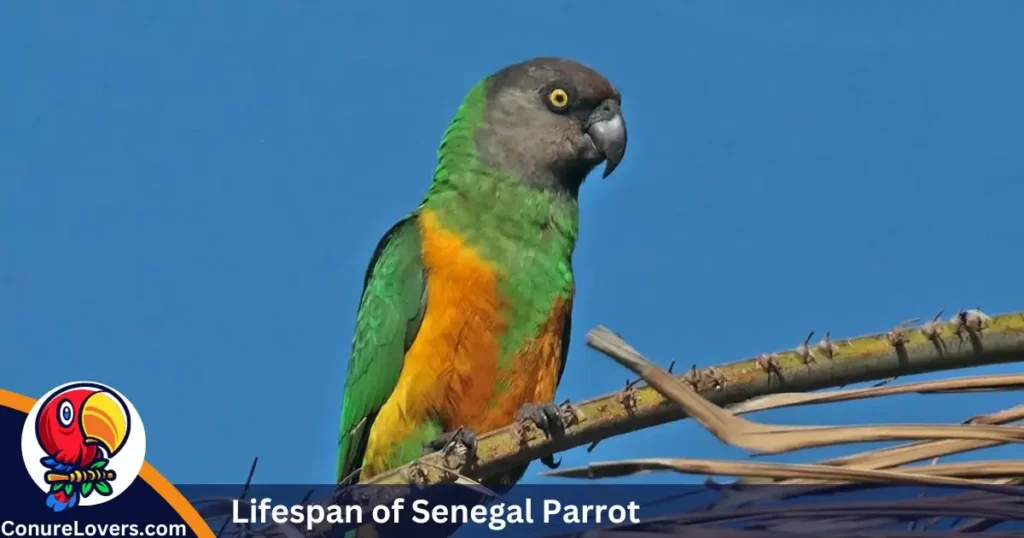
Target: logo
(83,444)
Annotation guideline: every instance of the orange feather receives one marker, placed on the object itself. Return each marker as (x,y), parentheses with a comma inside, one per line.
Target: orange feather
(451,371)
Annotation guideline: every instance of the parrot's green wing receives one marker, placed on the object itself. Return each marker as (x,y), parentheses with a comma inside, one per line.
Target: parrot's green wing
(389,317)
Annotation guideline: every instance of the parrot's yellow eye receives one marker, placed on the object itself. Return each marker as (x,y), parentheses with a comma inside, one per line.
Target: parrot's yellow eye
(558,99)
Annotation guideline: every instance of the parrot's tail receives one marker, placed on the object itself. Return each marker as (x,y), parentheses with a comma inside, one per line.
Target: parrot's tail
(59,501)
(62,498)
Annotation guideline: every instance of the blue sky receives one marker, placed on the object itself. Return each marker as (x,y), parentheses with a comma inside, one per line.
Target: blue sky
(190,191)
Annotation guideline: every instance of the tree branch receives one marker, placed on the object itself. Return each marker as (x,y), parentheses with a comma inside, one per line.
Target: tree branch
(968,340)
(930,348)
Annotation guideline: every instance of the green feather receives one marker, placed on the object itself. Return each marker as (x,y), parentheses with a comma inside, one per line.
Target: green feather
(392,308)
(389,316)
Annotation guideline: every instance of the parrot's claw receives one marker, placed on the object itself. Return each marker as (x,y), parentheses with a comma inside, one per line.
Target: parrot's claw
(550,462)
(459,444)
(547,417)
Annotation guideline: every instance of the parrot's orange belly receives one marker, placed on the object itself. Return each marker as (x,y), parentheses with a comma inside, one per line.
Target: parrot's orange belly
(452,373)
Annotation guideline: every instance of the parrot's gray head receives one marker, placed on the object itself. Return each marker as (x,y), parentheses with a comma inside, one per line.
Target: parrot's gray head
(552,121)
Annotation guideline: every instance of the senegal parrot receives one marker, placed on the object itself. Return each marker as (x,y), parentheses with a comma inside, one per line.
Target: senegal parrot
(464,320)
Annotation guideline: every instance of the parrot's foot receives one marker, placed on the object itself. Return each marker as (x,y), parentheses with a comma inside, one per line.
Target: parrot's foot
(548,419)
(457,445)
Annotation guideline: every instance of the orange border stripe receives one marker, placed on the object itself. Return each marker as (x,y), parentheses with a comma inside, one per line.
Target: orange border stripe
(148,474)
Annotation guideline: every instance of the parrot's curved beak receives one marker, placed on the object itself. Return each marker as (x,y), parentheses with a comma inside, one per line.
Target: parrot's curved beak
(104,421)
(607,128)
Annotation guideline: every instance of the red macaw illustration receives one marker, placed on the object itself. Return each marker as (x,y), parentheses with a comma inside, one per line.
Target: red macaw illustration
(80,428)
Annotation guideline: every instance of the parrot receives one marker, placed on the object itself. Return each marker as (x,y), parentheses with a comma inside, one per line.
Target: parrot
(464,320)
(79,429)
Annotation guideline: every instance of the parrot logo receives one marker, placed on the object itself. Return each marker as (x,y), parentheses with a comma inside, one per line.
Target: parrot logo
(83,444)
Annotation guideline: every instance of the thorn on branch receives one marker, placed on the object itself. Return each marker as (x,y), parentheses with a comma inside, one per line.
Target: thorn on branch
(769,365)
(976,320)
(716,376)
(933,332)
(628,397)
(804,351)
(694,377)
(826,346)
(571,416)
(899,335)
(972,322)
(417,474)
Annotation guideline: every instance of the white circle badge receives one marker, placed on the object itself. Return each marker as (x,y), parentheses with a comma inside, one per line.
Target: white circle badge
(83,444)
